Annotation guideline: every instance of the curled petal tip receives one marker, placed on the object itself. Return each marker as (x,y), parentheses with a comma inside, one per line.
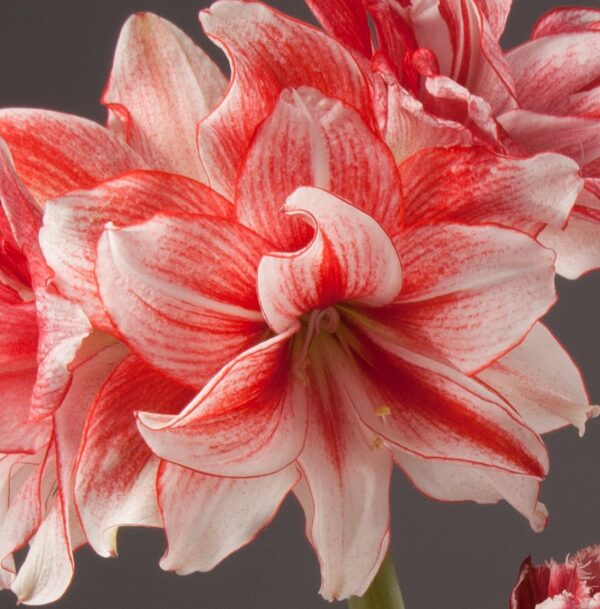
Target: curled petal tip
(539,518)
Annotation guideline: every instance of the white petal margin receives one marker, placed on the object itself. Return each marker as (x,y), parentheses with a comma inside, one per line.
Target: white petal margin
(542,383)
(349,258)
(160,86)
(249,420)
(452,481)
(207,518)
(347,475)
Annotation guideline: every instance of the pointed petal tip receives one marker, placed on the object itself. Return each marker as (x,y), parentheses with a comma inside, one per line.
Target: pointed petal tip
(539,518)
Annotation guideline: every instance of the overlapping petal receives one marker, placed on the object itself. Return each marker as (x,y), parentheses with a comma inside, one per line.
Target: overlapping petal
(248,420)
(55,153)
(116,474)
(567,19)
(206,518)
(313,140)
(181,291)
(349,258)
(269,52)
(73,225)
(160,86)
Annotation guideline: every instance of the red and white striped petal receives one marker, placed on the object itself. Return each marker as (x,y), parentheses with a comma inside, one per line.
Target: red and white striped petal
(409,128)
(73,224)
(347,476)
(350,258)
(496,12)
(63,327)
(269,52)
(574,136)
(430,409)
(18,335)
(181,290)
(472,292)
(567,19)
(548,70)
(160,86)
(116,471)
(55,153)
(540,380)
(249,420)
(313,140)
(478,61)
(207,518)
(450,481)
(346,21)
(473,185)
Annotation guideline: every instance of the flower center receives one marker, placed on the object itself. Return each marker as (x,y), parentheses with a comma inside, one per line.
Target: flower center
(320,320)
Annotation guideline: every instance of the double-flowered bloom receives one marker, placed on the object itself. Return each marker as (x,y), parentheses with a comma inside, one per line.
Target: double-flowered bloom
(287,283)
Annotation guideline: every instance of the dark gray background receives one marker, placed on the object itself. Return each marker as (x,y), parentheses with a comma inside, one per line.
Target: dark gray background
(57,54)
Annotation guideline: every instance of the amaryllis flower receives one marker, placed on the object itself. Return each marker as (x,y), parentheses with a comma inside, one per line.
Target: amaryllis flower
(332,310)
(317,295)
(541,96)
(574,584)
(57,362)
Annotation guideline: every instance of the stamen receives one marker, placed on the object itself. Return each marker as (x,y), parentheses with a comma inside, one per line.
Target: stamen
(326,320)
(377,443)
(383,411)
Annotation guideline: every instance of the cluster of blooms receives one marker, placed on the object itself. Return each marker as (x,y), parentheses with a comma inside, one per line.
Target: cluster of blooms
(572,585)
(289,281)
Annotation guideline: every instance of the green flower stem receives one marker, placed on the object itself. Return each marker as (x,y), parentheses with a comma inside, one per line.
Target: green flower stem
(384,591)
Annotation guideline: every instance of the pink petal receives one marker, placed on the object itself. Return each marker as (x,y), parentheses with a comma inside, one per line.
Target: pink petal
(409,128)
(269,52)
(346,21)
(160,86)
(431,410)
(478,61)
(349,258)
(471,292)
(473,185)
(207,518)
(450,481)
(116,474)
(567,19)
(18,335)
(576,137)
(63,328)
(542,383)
(249,420)
(347,480)
(548,70)
(73,224)
(55,153)
(312,140)
(182,291)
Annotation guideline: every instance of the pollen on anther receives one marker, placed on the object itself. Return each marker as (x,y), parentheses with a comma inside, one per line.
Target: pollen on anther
(383,411)
(377,443)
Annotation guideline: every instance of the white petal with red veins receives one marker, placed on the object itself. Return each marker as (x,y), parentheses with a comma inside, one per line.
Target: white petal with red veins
(206,518)
(249,420)
(350,258)
(269,52)
(447,481)
(116,471)
(347,476)
(313,140)
(73,224)
(160,86)
(542,383)
(472,292)
(181,291)
(567,19)
(55,153)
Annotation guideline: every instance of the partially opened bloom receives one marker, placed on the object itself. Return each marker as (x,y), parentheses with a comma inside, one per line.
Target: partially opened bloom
(574,584)
(540,96)
(337,281)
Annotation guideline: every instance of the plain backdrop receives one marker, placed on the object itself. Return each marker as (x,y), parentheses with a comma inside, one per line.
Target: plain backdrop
(57,54)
